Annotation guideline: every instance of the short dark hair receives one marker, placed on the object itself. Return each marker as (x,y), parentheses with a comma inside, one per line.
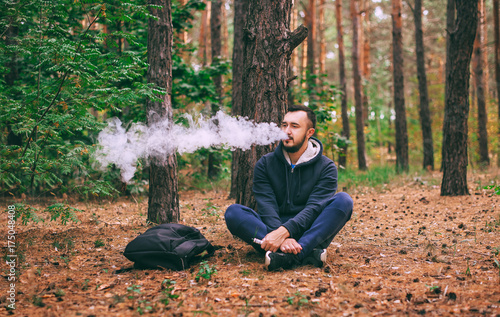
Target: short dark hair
(310,114)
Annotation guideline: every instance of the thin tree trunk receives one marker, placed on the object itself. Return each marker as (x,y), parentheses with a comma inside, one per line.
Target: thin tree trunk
(321,37)
(346,132)
(311,40)
(267,49)
(214,160)
(358,90)
(240,16)
(204,38)
(425,115)
(496,22)
(303,65)
(482,118)
(456,114)
(163,204)
(402,163)
(450,27)
(365,55)
(225,33)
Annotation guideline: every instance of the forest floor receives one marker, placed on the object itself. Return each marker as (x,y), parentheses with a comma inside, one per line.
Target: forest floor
(405,251)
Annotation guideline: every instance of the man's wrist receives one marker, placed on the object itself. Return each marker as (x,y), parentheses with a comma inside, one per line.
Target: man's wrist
(283,232)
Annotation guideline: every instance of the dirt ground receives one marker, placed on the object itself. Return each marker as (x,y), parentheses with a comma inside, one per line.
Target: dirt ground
(406,251)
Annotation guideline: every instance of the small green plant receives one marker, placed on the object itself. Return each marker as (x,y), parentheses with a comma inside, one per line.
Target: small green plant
(496,188)
(134,289)
(85,284)
(26,213)
(298,299)
(59,293)
(434,289)
(37,301)
(65,212)
(168,287)
(98,243)
(206,271)
(210,209)
(245,272)
(467,270)
(144,306)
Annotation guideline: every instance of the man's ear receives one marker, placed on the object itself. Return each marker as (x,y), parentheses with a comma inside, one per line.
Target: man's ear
(310,132)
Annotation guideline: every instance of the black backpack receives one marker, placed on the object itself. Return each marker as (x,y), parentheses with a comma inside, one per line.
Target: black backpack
(169,246)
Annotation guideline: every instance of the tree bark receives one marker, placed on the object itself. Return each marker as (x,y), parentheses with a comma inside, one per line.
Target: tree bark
(482,117)
(267,50)
(311,45)
(346,132)
(358,89)
(204,38)
(455,128)
(402,163)
(425,115)
(450,27)
(364,41)
(163,204)
(240,16)
(293,68)
(214,160)
(321,37)
(496,22)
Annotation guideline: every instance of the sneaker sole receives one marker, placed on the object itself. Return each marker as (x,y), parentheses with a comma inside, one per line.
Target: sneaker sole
(268,260)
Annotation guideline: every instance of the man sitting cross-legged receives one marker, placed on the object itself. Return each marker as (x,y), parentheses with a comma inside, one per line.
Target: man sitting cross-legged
(298,210)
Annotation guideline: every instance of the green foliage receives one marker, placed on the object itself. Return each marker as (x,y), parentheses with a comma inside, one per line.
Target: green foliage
(168,287)
(64,70)
(374,177)
(26,213)
(99,243)
(206,271)
(298,299)
(64,212)
(496,188)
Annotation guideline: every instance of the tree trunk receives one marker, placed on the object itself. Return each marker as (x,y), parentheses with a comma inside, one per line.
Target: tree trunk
(240,16)
(364,41)
(457,100)
(358,90)
(204,38)
(482,118)
(163,205)
(425,115)
(225,33)
(267,49)
(321,37)
(214,157)
(450,27)
(311,44)
(293,69)
(399,88)
(346,132)
(496,21)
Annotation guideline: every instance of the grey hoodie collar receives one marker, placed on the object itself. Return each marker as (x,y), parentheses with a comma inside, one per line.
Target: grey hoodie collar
(313,148)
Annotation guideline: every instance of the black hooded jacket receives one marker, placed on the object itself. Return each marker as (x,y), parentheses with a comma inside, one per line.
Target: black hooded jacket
(301,192)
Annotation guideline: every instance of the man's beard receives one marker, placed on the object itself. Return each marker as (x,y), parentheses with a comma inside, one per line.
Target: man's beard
(294,148)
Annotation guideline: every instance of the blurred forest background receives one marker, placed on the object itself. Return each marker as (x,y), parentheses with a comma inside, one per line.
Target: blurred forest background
(68,66)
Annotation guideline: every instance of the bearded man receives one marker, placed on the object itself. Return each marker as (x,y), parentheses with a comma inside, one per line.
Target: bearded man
(298,210)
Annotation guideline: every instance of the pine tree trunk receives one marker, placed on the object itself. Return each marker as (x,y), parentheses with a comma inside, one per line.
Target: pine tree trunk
(321,37)
(294,61)
(163,204)
(425,115)
(365,55)
(402,163)
(455,128)
(240,16)
(450,27)
(346,132)
(267,49)
(496,22)
(225,33)
(358,90)
(311,40)
(214,160)
(482,117)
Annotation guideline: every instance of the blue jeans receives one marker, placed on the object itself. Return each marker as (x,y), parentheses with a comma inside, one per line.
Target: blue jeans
(246,224)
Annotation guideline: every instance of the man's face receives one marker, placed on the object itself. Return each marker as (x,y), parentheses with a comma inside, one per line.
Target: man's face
(296,125)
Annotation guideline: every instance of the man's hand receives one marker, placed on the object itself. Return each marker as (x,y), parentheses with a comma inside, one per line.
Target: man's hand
(274,239)
(291,245)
